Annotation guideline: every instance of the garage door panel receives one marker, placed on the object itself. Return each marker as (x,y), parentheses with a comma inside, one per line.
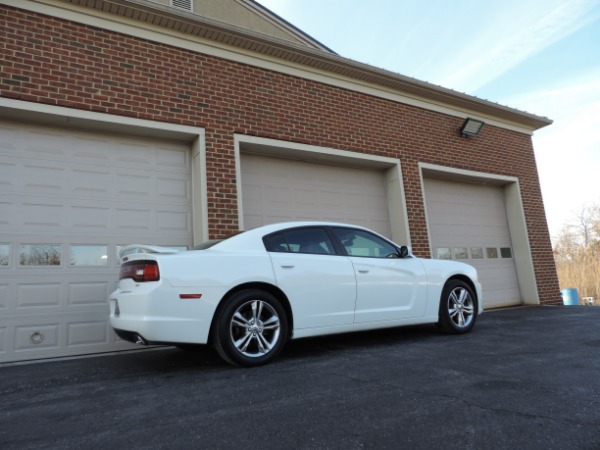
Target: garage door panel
(88,182)
(79,195)
(44,180)
(87,333)
(170,220)
(172,158)
(331,199)
(278,190)
(88,293)
(41,216)
(133,186)
(4,296)
(172,189)
(280,195)
(38,294)
(134,155)
(41,336)
(46,144)
(89,217)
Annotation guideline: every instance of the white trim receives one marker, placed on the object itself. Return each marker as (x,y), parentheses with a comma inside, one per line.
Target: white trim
(238,139)
(515,215)
(79,118)
(29,112)
(324,155)
(199,190)
(154,33)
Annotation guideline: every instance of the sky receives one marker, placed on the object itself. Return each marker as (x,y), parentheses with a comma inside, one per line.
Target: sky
(538,56)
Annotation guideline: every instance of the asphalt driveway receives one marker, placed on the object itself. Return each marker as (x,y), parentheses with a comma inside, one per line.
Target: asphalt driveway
(526,378)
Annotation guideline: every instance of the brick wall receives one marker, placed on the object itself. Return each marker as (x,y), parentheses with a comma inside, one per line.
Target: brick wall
(53,61)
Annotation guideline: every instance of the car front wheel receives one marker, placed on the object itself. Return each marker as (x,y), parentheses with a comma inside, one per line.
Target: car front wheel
(458,307)
(251,328)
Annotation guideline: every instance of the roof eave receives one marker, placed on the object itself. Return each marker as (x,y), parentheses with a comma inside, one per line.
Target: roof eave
(302,55)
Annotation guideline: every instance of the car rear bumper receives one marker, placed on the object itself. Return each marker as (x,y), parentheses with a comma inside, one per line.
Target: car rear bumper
(159,316)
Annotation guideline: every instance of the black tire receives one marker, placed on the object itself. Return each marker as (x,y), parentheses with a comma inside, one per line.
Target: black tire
(251,328)
(458,307)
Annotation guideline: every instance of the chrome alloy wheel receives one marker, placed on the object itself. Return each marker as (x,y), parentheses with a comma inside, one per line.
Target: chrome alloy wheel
(461,307)
(255,328)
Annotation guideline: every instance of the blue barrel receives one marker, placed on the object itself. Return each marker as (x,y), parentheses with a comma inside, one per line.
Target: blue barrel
(570,297)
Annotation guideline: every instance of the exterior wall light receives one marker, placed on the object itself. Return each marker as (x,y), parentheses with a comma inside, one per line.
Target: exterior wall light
(471,127)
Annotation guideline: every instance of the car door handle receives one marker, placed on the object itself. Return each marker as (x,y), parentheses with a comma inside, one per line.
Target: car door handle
(287,266)
(363,271)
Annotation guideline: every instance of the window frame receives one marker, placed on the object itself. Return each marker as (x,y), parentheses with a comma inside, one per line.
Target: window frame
(338,247)
(344,252)
(269,245)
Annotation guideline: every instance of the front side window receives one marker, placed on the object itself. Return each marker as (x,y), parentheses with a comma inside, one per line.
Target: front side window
(364,244)
(301,240)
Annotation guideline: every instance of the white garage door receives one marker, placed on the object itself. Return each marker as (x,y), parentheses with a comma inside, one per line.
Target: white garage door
(67,200)
(278,190)
(468,222)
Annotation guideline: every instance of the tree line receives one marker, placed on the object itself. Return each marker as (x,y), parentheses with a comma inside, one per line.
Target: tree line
(577,253)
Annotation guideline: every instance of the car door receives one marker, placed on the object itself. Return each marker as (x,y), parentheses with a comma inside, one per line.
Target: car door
(320,285)
(389,288)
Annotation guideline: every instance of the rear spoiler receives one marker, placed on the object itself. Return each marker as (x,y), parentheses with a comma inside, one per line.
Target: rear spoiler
(137,248)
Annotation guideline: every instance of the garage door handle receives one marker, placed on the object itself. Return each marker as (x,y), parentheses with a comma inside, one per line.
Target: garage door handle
(363,271)
(287,266)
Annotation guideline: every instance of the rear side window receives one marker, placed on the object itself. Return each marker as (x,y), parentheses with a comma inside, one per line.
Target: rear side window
(313,241)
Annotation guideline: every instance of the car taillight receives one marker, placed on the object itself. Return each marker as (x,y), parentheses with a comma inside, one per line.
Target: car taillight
(140,271)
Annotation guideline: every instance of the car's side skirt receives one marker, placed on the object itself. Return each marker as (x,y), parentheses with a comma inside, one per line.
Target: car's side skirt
(321,331)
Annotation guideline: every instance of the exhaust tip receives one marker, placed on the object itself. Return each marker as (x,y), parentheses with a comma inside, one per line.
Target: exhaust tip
(140,340)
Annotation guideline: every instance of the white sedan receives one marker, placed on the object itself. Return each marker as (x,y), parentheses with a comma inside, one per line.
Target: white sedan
(248,294)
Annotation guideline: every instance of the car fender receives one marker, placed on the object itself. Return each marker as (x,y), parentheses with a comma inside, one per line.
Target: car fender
(439,272)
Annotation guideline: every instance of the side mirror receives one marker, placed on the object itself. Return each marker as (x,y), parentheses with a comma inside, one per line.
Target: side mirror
(404,251)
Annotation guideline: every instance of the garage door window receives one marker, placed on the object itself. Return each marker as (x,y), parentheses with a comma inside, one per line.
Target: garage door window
(461,253)
(443,253)
(4,254)
(477,253)
(89,255)
(492,252)
(40,255)
(473,253)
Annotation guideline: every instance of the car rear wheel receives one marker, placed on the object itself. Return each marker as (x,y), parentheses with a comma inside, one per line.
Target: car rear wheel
(251,328)
(458,307)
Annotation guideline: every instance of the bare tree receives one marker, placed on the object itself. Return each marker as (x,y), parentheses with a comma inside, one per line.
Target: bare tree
(577,253)
(585,224)
(565,243)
